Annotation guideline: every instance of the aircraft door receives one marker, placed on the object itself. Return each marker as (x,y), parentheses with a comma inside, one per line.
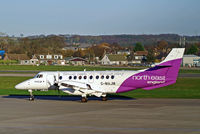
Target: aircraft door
(50,80)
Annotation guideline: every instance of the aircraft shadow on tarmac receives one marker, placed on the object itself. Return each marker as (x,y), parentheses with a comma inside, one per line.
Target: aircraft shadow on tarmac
(67,98)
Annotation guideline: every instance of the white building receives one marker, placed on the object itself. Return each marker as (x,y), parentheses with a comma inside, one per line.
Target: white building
(114,59)
(191,60)
(124,52)
(48,59)
(139,57)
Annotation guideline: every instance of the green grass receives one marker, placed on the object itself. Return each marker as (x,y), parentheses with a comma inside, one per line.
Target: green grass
(59,68)
(8,62)
(8,83)
(184,88)
(189,71)
(74,68)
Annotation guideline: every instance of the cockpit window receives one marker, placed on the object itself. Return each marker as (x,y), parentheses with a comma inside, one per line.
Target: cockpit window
(39,76)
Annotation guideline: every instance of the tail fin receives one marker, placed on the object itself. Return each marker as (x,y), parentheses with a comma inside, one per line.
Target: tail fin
(176,53)
(161,75)
(168,68)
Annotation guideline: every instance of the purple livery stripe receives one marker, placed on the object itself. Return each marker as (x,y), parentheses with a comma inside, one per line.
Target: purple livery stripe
(159,76)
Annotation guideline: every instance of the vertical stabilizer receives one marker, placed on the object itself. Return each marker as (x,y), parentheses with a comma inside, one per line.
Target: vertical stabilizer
(163,74)
(176,53)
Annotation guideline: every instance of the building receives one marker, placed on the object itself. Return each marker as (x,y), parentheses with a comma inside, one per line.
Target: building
(48,59)
(124,52)
(75,61)
(34,60)
(22,58)
(191,61)
(139,57)
(114,59)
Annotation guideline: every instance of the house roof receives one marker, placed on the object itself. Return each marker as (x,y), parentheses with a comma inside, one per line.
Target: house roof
(116,57)
(190,55)
(124,51)
(75,59)
(17,57)
(46,54)
(141,53)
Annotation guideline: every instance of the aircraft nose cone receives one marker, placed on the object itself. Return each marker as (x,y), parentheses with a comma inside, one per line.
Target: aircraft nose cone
(19,86)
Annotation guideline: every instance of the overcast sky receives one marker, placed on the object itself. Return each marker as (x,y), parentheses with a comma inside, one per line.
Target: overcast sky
(96,17)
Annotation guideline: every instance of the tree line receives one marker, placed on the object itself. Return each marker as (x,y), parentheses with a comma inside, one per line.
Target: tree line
(55,45)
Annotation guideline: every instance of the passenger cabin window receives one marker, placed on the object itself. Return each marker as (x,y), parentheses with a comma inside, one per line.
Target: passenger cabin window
(60,78)
(85,77)
(112,77)
(75,77)
(70,77)
(80,77)
(107,77)
(102,77)
(91,77)
(97,77)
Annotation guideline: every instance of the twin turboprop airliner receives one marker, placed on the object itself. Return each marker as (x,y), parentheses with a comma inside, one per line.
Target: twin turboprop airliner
(101,83)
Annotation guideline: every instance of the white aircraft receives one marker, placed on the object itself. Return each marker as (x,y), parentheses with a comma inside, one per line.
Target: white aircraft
(101,83)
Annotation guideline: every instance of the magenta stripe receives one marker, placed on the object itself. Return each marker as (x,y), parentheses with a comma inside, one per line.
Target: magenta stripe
(159,76)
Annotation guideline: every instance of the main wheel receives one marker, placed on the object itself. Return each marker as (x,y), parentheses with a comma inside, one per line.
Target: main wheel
(104,98)
(83,99)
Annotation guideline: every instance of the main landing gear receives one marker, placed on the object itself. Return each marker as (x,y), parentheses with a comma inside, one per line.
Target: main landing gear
(84,98)
(104,98)
(31,95)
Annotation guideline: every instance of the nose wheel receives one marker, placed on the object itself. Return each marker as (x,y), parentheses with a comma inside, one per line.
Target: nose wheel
(31,98)
(31,95)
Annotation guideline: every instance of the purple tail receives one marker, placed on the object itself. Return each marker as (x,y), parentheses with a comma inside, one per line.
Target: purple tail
(161,75)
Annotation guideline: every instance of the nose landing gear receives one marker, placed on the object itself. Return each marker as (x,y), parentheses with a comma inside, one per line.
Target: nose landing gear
(31,95)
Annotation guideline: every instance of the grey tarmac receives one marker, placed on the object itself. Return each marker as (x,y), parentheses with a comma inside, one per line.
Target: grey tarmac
(53,115)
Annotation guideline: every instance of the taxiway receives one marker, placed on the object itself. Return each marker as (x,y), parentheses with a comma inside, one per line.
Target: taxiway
(52,114)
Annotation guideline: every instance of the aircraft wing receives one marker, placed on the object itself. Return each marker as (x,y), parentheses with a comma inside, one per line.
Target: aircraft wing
(80,86)
(73,84)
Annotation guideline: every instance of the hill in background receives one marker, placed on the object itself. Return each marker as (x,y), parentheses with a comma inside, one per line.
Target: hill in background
(129,40)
